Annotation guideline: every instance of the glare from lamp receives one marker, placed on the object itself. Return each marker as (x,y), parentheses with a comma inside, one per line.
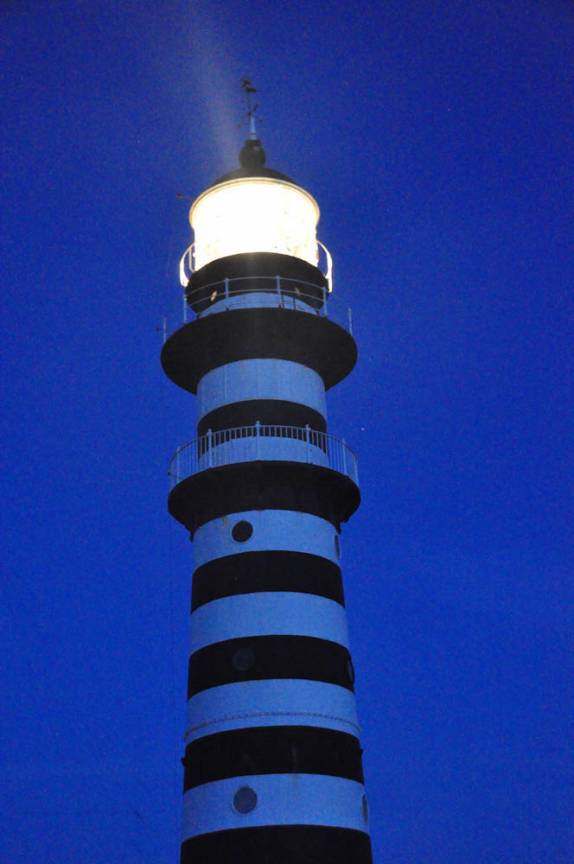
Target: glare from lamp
(254,215)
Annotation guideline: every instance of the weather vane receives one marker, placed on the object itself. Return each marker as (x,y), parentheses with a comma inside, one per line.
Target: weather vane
(249,90)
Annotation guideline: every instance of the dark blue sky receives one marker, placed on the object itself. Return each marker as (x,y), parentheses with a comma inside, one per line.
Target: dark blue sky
(437,138)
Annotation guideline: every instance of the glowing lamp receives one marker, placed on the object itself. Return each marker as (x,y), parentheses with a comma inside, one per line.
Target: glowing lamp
(254,214)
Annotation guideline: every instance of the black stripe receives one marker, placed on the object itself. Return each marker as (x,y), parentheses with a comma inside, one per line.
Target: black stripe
(261,657)
(279,844)
(245,334)
(272,750)
(263,485)
(267,411)
(251,572)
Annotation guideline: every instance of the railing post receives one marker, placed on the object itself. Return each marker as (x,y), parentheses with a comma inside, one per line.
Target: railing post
(257,433)
(226,284)
(278,289)
(307,433)
(184,308)
(209,444)
(344,451)
(324,301)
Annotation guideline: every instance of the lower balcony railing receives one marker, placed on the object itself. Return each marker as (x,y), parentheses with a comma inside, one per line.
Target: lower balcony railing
(251,443)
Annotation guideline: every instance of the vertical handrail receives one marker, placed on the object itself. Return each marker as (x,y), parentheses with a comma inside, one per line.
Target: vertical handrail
(329,274)
(186,260)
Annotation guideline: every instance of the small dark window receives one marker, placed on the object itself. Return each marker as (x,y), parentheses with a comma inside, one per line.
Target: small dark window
(337,546)
(365,808)
(243,659)
(242,531)
(245,800)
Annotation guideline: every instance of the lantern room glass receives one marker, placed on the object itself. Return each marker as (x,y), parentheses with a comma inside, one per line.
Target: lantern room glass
(254,214)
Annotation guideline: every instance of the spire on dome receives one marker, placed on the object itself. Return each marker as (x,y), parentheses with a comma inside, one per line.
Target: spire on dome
(249,91)
(252,154)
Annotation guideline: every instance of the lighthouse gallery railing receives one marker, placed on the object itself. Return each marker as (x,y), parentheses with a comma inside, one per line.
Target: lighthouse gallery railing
(280,291)
(187,265)
(260,441)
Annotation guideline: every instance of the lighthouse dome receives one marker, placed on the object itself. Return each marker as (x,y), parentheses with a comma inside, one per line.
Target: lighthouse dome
(254,209)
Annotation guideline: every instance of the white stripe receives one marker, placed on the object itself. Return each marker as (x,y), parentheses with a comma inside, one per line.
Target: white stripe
(256,447)
(273,613)
(282,799)
(273,530)
(260,379)
(271,702)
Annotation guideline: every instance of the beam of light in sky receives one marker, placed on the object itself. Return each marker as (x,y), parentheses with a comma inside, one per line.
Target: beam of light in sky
(216,84)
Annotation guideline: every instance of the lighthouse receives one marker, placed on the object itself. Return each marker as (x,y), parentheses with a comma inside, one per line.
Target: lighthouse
(273,762)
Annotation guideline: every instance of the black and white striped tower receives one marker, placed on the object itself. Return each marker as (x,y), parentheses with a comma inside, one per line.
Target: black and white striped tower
(272,762)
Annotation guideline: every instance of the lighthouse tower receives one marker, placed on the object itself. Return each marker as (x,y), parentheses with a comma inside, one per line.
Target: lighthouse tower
(272,763)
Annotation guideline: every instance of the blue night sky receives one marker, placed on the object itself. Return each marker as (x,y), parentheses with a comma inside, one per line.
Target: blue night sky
(437,138)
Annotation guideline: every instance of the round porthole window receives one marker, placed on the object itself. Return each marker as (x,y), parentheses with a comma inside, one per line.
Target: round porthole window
(245,800)
(365,809)
(243,659)
(242,531)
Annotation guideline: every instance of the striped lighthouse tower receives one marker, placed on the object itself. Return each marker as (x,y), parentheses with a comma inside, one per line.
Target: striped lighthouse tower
(272,764)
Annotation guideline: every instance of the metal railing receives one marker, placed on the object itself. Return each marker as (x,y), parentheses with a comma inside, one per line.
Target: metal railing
(282,293)
(252,443)
(187,265)
(328,274)
(287,289)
